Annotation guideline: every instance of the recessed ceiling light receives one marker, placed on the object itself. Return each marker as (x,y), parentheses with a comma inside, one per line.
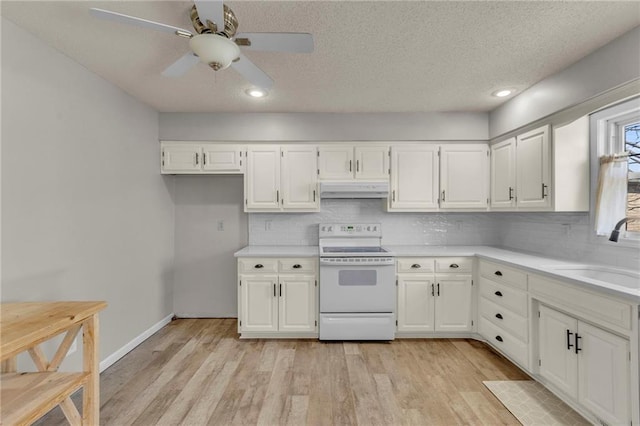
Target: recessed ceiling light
(503,92)
(256,93)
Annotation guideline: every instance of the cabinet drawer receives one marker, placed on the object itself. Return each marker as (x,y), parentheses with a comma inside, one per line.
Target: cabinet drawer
(257,266)
(416,264)
(454,264)
(295,266)
(505,319)
(505,342)
(502,295)
(597,308)
(503,274)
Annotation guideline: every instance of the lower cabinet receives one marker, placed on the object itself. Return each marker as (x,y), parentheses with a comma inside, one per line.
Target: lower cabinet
(429,301)
(587,363)
(280,302)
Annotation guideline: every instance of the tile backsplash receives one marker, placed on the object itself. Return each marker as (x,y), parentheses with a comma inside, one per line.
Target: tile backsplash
(560,235)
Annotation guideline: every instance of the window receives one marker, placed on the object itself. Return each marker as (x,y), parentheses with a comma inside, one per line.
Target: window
(632,146)
(616,130)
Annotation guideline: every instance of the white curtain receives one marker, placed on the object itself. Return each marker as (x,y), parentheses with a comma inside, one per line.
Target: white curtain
(611,197)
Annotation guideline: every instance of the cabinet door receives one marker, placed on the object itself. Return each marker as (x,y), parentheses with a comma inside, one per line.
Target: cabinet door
(464,176)
(453,303)
(262,180)
(503,174)
(533,166)
(372,162)
(259,303)
(415,302)
(335,162)
(299,180)
(297,311)
(603,374)
(219,158)
(414,177)
(181,158)
(558,361)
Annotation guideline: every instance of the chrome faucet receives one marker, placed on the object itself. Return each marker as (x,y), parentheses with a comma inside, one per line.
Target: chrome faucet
(615,234)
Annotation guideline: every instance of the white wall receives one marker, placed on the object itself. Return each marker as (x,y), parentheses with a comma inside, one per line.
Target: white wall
(86,214)
(613,65)
(205,269)
(324,126)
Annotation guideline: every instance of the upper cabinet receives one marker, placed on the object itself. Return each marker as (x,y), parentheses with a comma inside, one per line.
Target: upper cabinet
(533,171)
(464,176)
(201,158)
(414,177)
(281,178)
(346,162)
(537,172)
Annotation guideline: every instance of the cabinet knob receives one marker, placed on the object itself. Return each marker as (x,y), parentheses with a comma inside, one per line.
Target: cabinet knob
(498,293)
(499,339)
(454,266)
(259,266)
(498,273)
(499,316)
(297,266)
(416,266)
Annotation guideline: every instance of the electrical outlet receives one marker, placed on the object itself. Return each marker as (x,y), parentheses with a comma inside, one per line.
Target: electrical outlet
(459,225)
(221,225)
(267,225)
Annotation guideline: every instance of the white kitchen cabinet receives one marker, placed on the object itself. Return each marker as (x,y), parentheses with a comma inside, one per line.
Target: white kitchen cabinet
(201,158)
(533,166)
(259,303)
(347,162)
(278,297)
(281,178)
(414,178)
(503,174)
(429,302)
(262,179)
(464,176)
(587,363)
(297,303)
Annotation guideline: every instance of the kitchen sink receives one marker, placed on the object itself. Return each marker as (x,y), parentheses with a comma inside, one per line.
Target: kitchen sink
(621,277)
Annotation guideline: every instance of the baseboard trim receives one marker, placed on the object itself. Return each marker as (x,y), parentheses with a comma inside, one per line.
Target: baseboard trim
(114,357)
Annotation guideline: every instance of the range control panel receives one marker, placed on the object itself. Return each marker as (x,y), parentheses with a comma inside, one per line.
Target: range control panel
(361,230)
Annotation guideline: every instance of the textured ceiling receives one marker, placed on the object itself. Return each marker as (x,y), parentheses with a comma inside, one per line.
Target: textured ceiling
(381,56)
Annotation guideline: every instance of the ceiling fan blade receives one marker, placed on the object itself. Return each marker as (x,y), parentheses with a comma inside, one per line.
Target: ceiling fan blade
(181,66)
(252,73)
(279,42)
(211,10)
(132,20)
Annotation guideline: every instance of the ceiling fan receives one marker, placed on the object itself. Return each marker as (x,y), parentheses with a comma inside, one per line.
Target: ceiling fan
(216,42)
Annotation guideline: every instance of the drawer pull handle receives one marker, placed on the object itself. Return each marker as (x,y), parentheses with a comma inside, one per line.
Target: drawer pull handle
(498,293)
(499,316)
(438,289)
(578,348)
(498,273)
(416,266)
(569,334)
(259,266)
(499,339)
(274,289)
(454,266)
(433,293)
(297,266)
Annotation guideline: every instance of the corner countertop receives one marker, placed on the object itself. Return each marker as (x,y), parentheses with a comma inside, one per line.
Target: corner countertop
(529,262)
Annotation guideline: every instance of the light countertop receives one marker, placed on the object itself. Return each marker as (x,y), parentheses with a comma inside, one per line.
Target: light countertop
(529,262)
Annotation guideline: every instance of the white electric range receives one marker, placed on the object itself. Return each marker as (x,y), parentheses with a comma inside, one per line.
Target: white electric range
(357,283)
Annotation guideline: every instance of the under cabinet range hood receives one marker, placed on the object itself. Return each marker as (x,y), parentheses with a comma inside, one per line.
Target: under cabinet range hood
(354,189)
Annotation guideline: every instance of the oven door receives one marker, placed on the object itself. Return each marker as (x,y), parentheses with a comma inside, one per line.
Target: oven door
(354,288)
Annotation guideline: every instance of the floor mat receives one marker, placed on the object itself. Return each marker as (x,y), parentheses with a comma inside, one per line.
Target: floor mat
(532,404)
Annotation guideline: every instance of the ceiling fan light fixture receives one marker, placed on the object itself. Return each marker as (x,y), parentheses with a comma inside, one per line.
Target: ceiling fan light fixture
(256,92)
(214,50)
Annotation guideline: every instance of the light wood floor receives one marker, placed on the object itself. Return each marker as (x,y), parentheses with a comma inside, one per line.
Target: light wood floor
(197,371)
